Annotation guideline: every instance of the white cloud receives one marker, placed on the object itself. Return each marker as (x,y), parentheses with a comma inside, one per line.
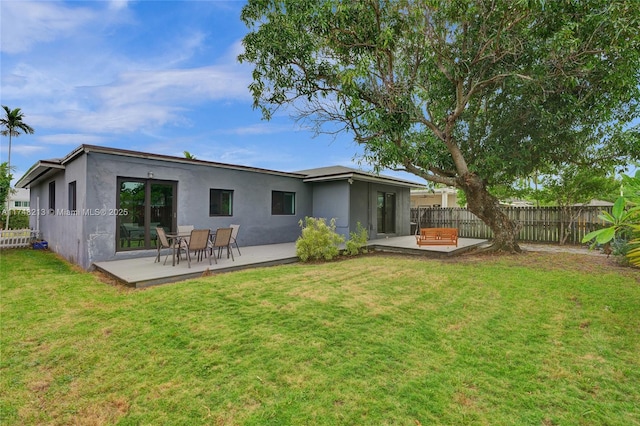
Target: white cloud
(136,100)
(26,81)
(118,4)
(258,129)
(149,99)
(25,23)
(175,86)
(20,149)
(71,139)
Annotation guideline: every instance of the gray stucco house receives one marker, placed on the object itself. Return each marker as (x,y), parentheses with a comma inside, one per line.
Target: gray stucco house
(99,203)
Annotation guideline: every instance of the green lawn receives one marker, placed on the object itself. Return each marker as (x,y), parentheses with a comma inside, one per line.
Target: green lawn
(537,339)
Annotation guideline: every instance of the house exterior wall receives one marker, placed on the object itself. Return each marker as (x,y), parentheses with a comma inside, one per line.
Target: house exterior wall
(357,202)
(88,235)
(361,208)
(403,210)
(64,229)
(331,201)
(443,199)
(97,192)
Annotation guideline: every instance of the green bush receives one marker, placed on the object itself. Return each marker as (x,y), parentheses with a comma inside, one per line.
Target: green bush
(357,241)
(18,219)
(318,241)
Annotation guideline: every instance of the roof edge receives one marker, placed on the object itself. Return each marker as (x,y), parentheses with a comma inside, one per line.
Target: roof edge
(37,171)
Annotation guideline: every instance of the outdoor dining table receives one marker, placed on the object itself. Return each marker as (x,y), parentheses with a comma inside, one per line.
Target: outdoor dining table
(176,240)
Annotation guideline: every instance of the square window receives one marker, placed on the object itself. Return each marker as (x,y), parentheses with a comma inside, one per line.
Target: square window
(220,202)
(283,203)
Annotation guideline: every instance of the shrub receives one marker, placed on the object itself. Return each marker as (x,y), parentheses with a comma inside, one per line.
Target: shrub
(17,220)
(318,241)
(619,249)
(357,241)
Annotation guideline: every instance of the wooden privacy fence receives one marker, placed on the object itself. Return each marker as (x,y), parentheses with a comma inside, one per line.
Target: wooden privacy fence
(15,238)
(538,224)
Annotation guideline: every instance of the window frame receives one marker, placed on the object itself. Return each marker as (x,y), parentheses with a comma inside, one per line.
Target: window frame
(221,194)
(282,211)
(52,197)
(73,196)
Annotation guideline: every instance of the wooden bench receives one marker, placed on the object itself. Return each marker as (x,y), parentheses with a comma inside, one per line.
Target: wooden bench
(437,237)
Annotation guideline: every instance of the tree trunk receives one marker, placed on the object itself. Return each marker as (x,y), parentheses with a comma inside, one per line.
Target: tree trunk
(6,226)
(484,205)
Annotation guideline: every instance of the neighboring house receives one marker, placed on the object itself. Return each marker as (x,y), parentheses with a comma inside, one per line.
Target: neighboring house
(101,203)
(596,203)
(437,197)
(517,203)
(19,199)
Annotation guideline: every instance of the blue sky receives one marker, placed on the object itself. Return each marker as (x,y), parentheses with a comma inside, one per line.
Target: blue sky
(152,76)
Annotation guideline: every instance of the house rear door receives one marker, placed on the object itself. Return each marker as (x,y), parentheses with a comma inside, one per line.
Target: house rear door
(386,213)
(145,204)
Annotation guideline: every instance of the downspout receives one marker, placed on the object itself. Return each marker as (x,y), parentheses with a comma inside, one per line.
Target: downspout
(38,216)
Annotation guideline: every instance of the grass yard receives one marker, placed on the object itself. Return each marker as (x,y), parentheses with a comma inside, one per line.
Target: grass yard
(537,339)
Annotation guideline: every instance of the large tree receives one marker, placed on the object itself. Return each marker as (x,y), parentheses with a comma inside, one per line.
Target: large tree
(467,93)
(12,124)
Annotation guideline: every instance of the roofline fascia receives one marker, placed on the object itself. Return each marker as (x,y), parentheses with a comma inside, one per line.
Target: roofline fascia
(27,180)
(161,157)
(363,177)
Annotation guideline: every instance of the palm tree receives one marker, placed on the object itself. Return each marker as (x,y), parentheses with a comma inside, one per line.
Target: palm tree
(12,125)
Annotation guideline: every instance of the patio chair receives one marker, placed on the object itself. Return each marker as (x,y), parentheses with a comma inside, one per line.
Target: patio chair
(221,240)
(163,242)
(128,234)
(198,244)
(234,235)
(185,231)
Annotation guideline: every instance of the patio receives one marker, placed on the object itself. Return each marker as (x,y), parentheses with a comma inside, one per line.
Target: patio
(144,272)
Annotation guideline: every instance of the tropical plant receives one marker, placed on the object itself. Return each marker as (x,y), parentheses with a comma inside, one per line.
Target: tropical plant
(12,125)
(623,221)
(357,241)
(469,93)
(319,240)
(633,255)
(620,220)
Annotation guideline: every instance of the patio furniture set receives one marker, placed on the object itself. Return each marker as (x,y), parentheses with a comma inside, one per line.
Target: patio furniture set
(197,242)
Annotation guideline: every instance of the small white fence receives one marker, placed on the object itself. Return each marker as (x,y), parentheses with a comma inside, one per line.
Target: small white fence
(15,238)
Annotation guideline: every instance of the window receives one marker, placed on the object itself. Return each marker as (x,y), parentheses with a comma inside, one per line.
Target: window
(220,202)
(22,204)
(283,202)
(72,196)
(52,197)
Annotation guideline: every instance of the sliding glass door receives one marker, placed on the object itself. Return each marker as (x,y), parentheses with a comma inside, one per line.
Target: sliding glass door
(386,213)
(145,204)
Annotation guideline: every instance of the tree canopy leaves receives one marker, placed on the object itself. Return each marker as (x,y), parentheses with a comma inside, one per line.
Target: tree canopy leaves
(467,93)
(440,88)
